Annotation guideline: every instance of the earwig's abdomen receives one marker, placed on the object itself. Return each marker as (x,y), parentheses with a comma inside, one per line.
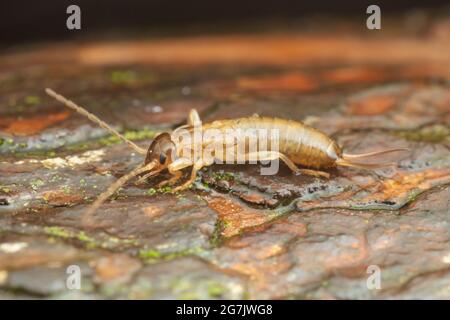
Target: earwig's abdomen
(302,144)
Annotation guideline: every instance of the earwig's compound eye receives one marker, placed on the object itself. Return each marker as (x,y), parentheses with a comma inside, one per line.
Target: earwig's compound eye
(162,158)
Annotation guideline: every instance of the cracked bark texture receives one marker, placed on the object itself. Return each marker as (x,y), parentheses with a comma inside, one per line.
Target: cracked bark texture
(235,234)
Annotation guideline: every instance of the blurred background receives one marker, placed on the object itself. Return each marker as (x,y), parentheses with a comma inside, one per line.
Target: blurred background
(28,21)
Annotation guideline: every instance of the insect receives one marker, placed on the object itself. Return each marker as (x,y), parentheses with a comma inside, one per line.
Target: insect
(298,144)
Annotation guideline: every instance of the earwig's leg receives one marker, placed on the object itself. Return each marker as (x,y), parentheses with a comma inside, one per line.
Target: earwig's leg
(194,118)
(272,155)
(309,172)
(176,176)
(94,118)
(179,164)
(142,179)
(195,168)
(175,168)
(314,173)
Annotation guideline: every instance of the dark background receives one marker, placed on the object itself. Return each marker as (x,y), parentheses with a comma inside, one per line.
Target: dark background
(29,21)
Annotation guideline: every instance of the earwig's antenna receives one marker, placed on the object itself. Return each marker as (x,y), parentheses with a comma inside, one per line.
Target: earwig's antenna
(113,188)
(94,118)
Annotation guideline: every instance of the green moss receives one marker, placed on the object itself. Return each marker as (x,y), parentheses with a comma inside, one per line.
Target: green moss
(18,149)
(36,184)
(32,100)
(123,77)
(83,237)
(139,134)
(227,176)
(62,233)
(66,189)
(152,255)
(162,190)
(433,133)
(135,135)
(5,189)
(57,232)
(216,238)
(215,289)
(413,195)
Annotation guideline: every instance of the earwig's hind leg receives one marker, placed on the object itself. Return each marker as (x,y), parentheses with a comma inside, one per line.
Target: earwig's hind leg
(272,155)
(309,172)
(314,173)
(194,118)
(94,119)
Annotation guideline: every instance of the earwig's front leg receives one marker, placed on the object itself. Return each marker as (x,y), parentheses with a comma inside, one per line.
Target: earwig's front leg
(142,179)
(176,176)
(175,169)
(195,168)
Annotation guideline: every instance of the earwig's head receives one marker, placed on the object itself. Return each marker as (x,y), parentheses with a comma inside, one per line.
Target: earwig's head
(161,151)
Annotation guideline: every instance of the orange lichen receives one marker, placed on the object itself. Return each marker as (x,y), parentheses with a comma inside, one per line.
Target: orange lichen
(115,267)
(60,197)
(153,211)
(404,184)
(235,217)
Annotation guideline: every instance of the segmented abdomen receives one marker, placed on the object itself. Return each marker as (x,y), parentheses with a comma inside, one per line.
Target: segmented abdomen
(302,144)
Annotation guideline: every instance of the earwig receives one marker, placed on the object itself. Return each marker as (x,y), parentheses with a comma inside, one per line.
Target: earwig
(298,144)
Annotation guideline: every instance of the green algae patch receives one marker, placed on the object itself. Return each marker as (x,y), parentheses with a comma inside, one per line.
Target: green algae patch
(162,190)
(215,289)
(216,238)
(150,256)
(434,133)
(87,240)
(223,176)
(134,135)
(5,189)
(62,233)
(32,100)
(123,77)
(36,184)
(57,232)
